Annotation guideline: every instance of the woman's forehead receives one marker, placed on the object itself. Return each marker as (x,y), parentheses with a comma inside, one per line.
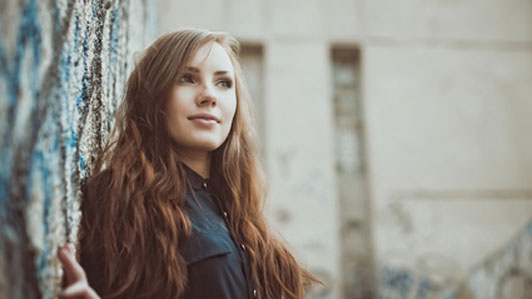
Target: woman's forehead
(210,57)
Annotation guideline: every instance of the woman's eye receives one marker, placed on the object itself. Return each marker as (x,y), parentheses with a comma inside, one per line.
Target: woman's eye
(225,83)
(186,78)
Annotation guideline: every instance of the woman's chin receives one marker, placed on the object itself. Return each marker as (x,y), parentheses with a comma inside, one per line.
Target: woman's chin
(207,146)
(200,144)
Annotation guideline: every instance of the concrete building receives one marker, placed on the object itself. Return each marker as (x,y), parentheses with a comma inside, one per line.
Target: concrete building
(396,136)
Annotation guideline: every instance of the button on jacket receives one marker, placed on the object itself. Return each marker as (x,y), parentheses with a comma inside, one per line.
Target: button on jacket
(218,265)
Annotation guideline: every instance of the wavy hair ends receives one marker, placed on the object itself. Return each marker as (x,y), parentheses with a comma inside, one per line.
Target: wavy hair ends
(133,215)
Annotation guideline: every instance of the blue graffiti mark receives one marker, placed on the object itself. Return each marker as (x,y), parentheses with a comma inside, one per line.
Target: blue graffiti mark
(4,152)
(65,73)
(28,36)
(449,295)
(424,288)
(73,137)
(4,68)
(114,37)
(94,14)
(82,163)
(55,14)
(4,177)
(398,280)
(39,165)
(66,58)
(65,63)
(29,32)
(80,103)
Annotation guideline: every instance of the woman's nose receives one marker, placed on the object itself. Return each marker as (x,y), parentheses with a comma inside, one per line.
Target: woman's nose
(207,96)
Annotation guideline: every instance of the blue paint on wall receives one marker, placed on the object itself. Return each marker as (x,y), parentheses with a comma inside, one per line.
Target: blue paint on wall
(54,77)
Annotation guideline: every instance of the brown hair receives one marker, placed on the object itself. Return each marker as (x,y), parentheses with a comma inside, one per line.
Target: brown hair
(133,210)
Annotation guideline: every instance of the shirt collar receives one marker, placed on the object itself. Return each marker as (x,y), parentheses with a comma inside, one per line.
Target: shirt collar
(197,181)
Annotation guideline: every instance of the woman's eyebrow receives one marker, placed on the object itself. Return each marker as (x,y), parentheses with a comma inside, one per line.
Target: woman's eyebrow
(196,70)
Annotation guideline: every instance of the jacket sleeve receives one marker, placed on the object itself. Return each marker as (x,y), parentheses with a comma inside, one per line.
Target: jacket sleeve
(94,270)
(90,259)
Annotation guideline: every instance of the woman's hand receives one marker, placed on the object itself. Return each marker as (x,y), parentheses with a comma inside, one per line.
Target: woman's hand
(75,283)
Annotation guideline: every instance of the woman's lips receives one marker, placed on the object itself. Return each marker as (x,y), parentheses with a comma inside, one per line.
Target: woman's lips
(204,122)
(204,119)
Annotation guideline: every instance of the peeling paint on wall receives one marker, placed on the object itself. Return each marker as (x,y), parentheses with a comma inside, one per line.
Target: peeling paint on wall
(505,274)
(398,283)
(63,66)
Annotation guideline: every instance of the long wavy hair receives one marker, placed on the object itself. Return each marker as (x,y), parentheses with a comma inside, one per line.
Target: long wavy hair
(133,204)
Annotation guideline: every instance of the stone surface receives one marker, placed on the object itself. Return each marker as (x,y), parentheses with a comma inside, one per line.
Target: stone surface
(63,65)
(473,21)
(300,154)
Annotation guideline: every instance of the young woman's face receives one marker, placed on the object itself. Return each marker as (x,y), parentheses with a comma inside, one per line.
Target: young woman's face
(202,103)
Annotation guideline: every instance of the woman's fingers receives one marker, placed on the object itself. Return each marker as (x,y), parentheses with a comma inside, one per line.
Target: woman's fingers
(76,280)
(73,271)
(79,289)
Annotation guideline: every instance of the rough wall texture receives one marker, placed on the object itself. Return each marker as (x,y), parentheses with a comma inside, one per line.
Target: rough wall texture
(63,65)
(505,274)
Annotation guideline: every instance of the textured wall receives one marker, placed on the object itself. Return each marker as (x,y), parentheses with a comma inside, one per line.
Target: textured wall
(63,65)
(504,274)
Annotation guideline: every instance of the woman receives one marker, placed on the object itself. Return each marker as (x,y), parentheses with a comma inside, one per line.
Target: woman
(177,211)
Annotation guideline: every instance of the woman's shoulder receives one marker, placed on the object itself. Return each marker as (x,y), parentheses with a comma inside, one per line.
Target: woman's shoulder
(90,206)
(97,182)
(94,191)
(92,202)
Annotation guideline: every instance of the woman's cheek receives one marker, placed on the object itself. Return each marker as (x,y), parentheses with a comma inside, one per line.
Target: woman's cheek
(184,95)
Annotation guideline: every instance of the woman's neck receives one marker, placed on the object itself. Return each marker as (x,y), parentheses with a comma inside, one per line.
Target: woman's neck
(198,161)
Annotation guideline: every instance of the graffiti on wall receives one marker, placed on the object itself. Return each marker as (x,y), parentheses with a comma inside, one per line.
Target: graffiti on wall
(63,66)
(505,274)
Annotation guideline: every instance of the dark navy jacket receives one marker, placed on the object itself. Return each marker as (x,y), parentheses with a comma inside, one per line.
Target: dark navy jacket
(218,264)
